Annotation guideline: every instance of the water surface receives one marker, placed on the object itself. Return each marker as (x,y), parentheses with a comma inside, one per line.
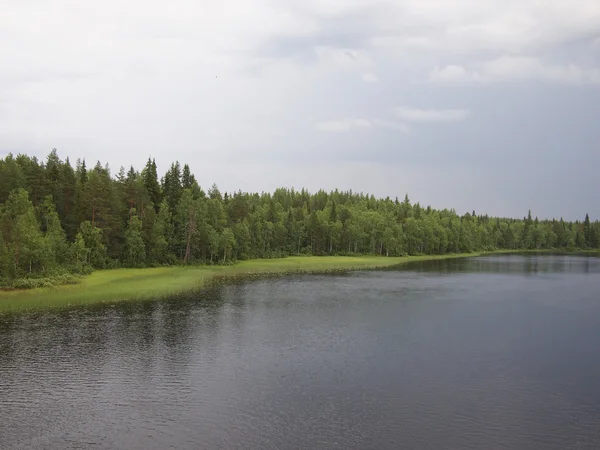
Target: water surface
(483,353)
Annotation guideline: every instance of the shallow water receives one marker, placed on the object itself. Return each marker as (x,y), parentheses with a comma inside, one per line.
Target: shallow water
(482,353)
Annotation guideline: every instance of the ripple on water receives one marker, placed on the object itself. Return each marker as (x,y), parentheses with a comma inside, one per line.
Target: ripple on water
(471,354)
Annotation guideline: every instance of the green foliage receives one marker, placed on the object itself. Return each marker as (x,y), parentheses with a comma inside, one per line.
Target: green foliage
(55,218)
(227,243)
(79,254)
(95,249)
(41,282)
(135,250)
(55,241)
(159,237)
(22,239)
(150,180)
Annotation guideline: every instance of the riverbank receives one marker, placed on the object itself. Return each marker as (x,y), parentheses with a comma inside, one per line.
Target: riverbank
(106,286)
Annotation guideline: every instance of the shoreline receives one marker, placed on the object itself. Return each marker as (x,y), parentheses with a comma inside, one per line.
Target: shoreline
(118,285)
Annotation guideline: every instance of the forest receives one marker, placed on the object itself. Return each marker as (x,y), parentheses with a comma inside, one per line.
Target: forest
(58,220)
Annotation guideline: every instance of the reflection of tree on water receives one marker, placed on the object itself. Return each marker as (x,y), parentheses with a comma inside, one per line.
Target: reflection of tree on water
(134,333)
(509,264)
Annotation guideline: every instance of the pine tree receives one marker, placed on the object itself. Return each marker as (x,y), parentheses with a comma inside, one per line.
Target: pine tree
(188,180)
(150,179)
(587,231)
(12,176)
(54,181)
(172,188)
(82,174)
(69,188)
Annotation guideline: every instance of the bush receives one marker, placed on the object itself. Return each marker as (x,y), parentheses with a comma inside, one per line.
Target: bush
(82,270)
(306,251)
(114,264)
(45,282)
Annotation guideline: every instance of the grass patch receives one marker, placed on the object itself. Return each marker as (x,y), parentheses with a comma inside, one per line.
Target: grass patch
(114,285)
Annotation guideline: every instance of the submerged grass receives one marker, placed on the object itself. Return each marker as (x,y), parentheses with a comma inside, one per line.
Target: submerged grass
(106,286)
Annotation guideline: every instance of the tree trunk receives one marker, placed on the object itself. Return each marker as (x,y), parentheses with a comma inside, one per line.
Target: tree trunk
(17,251)
(191,228)
(187,249)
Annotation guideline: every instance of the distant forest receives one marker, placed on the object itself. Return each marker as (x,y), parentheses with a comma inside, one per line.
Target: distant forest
(58,219)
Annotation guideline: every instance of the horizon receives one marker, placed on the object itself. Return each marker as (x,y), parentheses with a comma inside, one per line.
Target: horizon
(207,186)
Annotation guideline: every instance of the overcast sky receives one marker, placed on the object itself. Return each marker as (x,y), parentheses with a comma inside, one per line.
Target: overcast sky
(472,104)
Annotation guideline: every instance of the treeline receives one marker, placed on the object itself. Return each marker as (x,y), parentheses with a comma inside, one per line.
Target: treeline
(57,219)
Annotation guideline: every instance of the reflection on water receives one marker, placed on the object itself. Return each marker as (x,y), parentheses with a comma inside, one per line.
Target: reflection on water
(518,264)
(491,352)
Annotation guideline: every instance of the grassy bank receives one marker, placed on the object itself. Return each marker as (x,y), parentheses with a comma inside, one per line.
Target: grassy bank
(127,284)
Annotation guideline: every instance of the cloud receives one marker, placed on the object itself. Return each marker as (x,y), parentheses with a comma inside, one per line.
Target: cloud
(531,68)
(431,115)
(470,27)
(344,58)
(399,126)
(516,69)
(343,125)
(235,81)
(449,74)
(369,77)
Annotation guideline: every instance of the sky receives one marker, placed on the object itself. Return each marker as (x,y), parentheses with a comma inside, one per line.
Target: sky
(491,106)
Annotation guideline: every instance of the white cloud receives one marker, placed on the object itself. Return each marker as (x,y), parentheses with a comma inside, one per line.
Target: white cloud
(431,115)
(524,68)
(343,125)
(369,77)
(515,69)
(449,74)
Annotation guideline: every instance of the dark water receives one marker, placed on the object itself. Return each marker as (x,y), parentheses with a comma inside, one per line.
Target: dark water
(487,353)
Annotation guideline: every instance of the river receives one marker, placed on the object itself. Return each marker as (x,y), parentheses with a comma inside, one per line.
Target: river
(498,352)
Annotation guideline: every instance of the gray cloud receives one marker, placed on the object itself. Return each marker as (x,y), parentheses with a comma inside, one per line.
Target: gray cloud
(369,77)
(342,125)
(431,115)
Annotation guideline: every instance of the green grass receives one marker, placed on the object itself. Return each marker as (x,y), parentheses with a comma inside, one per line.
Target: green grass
(115,285)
